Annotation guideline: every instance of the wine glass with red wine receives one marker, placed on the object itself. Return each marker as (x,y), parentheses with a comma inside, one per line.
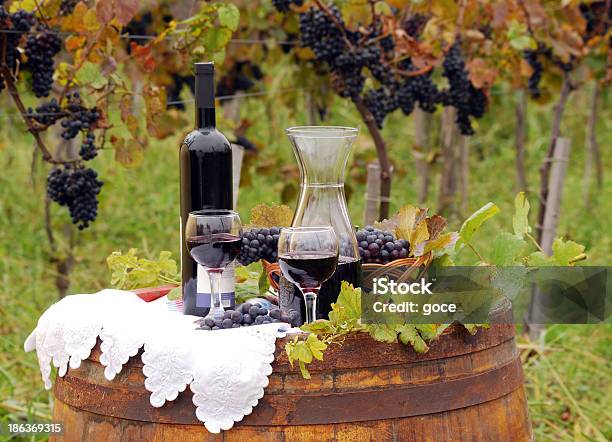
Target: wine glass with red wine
(308,257)
(214,238)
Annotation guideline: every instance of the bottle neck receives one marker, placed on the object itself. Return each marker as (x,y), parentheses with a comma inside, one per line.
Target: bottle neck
(205,117)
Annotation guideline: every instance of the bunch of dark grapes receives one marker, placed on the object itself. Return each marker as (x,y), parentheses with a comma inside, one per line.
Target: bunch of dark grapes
(414,24)
(380,102)
(77,187)
(462,95)
(88,149)
(67,6)
(259,243)
(417,89)
(531,56)
(19,23)
(319,33)
(597,21)
(78,118)
(285,5)
(40,50)
(47,113)
(241,77)
(174,91)
(376,246)
(248,314)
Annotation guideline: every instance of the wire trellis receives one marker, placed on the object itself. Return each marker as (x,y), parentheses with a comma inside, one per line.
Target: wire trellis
(7,115)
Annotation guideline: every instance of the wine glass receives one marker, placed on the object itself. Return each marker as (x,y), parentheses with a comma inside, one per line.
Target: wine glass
(308,257)
(214,238)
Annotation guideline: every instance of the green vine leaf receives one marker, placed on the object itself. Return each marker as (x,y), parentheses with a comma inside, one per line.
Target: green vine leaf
(506,249)
(520,220)
(132,272)
(408,334)
(382,333)
(566,253)
(473,223)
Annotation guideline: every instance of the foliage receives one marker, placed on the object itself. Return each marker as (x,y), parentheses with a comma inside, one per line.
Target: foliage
(131,272)
(345,318)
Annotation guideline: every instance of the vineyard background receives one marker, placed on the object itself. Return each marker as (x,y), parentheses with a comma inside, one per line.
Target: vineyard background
(568,377)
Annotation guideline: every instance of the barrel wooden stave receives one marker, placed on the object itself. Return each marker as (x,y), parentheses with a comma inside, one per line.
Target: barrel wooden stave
(465,388)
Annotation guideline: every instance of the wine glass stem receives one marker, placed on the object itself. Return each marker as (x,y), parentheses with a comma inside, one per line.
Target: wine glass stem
(310,298)
(216,305)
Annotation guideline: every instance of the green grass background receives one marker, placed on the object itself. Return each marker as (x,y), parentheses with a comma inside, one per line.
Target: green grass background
(568,379)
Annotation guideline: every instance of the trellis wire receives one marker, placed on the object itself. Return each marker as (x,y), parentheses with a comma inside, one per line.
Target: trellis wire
(153,37)
(169,103)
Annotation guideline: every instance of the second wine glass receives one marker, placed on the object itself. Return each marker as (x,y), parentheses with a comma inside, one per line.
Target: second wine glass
(214,239)
(308,257)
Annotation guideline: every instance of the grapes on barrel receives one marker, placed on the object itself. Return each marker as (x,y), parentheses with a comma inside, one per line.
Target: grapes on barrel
(259,243)
(379,247)
(249,314)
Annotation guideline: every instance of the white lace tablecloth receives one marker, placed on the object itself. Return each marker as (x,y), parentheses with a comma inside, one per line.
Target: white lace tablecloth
(227,370)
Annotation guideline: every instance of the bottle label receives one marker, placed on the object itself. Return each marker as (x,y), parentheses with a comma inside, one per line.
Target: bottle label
(228,291)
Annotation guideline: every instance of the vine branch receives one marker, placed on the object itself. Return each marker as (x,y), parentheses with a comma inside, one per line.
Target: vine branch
(383,157)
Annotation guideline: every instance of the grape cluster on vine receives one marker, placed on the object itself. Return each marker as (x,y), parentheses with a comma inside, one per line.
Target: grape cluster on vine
(349,54)
(40,49)
(76,187)
(79,118)
(462,95)
(285,5)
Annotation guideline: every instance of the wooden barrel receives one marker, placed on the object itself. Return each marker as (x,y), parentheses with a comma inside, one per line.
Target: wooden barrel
(466,388)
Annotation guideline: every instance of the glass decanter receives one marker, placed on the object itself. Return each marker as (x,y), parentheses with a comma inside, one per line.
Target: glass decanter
(322,153)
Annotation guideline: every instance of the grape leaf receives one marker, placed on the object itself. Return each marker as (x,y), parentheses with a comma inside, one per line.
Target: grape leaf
(566,252)
(131,272)
(229,16)
(473,223)
(382,332)
(125,10)
(520,221)
(408,334)
(316,346)
(443,241)
(348,305)
(539,259)
(263,215)
(506,249)
(89,74)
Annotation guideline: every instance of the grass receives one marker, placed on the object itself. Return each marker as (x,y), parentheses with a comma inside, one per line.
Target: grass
(568,377)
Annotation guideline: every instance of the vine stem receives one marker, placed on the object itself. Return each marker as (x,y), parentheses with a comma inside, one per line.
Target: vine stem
(460,15)
(383,157)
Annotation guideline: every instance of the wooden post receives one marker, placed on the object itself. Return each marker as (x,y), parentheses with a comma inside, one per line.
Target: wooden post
(422,128)
(593,156)
(558,110)
(464,170)
(237,156)
(558,169)
(448,176)
(372,195)
(519,140)
(231,111)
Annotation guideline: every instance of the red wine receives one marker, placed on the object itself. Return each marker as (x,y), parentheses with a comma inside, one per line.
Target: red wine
(349,269)
(308,269)
(214,251)
(205,160)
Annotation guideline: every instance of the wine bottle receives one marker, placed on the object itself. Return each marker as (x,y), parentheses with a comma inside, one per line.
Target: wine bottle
(206,183)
